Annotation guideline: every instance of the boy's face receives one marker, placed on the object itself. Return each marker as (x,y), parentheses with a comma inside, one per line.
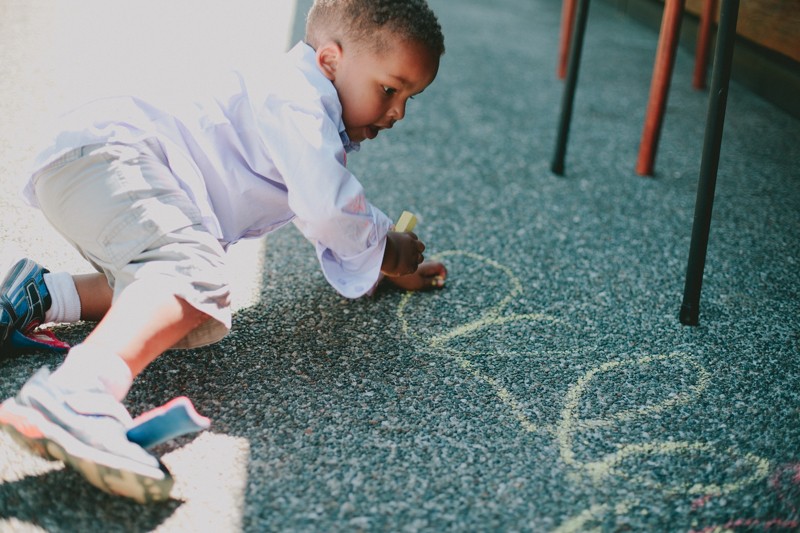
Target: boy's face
(374,87)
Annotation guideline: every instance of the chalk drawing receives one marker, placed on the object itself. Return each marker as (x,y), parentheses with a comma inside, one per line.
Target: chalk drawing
(625,462)
(490,317)
(749,524)
(784,488)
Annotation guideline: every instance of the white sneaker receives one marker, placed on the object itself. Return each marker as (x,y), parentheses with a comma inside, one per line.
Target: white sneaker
(87,431)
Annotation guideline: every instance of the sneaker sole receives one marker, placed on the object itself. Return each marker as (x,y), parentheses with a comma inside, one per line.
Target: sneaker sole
(19,342)
(29,428)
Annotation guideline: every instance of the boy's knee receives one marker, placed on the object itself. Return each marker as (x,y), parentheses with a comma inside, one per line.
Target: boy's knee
(191,314)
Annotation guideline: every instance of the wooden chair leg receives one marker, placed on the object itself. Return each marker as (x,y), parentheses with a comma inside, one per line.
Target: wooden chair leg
(567,21)
(703,41)
(659,87)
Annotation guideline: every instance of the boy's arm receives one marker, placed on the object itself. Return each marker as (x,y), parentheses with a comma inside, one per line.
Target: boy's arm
(407,254)
(425,274)
(403,254)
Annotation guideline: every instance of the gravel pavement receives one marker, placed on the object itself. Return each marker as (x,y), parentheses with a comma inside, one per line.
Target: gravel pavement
(548,387)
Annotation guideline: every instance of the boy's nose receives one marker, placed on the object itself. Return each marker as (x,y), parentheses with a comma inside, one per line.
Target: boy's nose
(397,113)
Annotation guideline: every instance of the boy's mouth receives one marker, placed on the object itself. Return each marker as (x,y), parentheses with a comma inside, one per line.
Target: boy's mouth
(372,132)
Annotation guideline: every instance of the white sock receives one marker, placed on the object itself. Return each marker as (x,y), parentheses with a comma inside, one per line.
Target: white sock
(66,306)
(85,368)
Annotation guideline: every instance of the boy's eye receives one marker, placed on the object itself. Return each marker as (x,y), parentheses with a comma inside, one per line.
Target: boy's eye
(389,91)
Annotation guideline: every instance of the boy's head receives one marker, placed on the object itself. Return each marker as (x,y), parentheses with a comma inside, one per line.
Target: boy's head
(378,54)
(366,21)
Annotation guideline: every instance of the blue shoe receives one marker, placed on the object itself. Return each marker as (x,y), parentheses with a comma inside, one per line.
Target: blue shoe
(87,431)
(24,299)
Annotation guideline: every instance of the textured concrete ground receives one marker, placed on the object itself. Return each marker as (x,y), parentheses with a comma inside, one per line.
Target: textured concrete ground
(550,386)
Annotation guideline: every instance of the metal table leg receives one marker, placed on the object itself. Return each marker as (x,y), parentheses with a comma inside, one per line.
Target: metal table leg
(575,49)
(718,96)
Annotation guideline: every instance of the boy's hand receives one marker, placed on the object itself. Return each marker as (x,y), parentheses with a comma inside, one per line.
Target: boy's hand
(403,254)
(430,275)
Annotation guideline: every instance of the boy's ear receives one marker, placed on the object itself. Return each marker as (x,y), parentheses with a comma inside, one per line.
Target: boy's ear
(328,57)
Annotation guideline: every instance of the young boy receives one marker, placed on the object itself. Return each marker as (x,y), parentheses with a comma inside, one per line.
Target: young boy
(151,192)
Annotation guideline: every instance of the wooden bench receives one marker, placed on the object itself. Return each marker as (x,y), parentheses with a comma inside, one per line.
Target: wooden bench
(773,24)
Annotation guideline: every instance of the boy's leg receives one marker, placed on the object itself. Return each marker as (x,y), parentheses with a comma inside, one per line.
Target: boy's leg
(153,284)
(95,295)
(143,324)
(75,414)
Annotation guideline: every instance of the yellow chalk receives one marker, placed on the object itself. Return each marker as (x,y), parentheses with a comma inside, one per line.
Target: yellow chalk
(406,222)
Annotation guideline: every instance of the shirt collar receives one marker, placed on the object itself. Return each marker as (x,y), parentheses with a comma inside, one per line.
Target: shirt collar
(349,146)
(305,55)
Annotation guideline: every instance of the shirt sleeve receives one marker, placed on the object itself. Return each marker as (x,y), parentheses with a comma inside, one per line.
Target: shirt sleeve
(328,200)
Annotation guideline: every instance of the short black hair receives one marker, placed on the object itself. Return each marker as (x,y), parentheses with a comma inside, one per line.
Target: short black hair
(361,21)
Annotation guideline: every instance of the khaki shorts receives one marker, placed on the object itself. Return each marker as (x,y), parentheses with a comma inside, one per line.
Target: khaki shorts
(124,211)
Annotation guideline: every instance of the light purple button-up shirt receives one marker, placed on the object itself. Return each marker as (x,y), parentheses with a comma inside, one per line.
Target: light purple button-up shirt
(255,153)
